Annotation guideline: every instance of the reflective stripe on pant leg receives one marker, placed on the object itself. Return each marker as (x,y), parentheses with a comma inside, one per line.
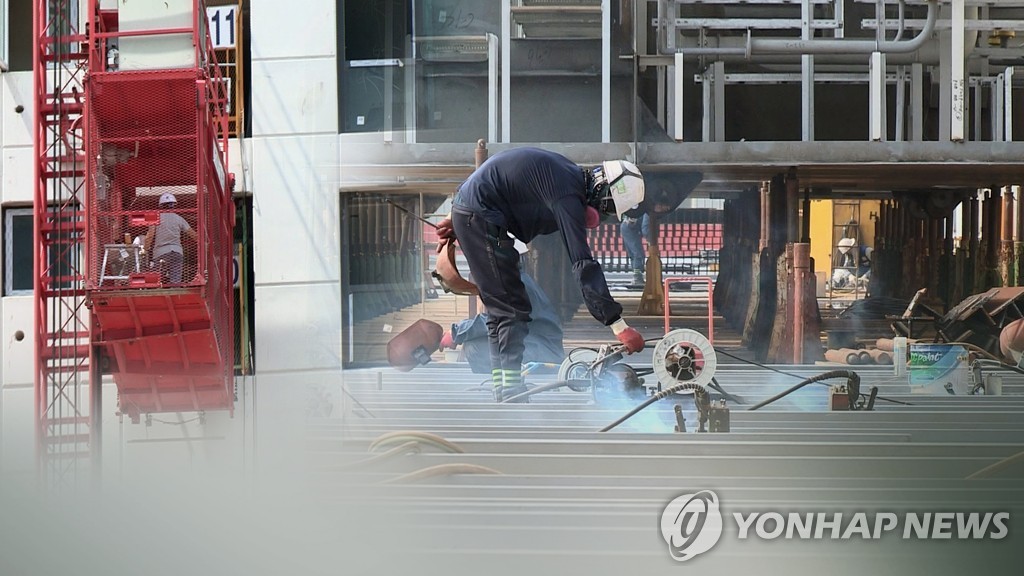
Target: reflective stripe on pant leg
(511,378)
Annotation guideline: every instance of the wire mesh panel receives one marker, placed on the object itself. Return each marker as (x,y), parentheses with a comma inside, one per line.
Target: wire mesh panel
(144,202)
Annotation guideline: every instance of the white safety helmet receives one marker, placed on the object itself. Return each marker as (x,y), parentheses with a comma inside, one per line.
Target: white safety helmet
(845,244)
(625,185)
(167,198)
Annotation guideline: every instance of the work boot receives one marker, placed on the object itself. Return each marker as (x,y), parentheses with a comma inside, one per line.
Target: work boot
(638,277)
(506,392)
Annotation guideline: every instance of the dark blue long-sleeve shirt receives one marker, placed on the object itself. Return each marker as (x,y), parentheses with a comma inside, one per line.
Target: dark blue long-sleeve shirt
(530,192)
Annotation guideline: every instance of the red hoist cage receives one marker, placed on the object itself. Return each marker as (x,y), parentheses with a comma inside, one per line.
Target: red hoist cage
(128,111)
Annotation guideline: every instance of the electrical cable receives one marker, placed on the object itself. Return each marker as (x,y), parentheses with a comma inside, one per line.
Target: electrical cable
(992,469)
(714,385)
(545,388)
(410,447)
(784,373)
(480,386)
(414,436)
(852,379)
(976,348)
(1001,364)
(441,470)
(697,390)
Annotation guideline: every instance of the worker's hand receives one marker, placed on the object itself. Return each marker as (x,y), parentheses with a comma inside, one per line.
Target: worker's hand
(445,234)
(629,337)
(445,229)
(447,341)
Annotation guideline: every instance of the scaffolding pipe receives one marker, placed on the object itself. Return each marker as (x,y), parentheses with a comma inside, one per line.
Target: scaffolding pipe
(797,45)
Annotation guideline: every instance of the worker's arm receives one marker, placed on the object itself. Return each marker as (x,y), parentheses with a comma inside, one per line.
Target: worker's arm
(191,233)
(148,242)
(569,213)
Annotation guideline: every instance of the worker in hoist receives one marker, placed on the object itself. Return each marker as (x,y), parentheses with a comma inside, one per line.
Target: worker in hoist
(163,241)
(529,192)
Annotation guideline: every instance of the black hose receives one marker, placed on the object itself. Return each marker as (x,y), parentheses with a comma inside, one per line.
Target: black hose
(699,392)
(852,384)
(714,385)
(545,388)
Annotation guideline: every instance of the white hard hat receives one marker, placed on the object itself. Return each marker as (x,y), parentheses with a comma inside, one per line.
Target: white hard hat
(168,198)
(625,184)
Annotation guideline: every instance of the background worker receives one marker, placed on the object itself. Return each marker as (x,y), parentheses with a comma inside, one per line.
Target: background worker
(163,241)
(543,342)
(633,229)
(529,192)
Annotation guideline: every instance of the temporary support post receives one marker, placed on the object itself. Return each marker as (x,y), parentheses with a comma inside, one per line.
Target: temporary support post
(973,245)
(1006,271)
(991,209)
(792,207)
(755,304)
(805,224)
(801,268)
(948,265)
(1018,236)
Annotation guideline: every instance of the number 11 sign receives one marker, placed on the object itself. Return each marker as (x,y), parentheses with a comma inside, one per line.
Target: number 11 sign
(222,25)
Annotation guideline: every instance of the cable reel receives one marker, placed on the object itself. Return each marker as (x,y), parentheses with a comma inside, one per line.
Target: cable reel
(683,356)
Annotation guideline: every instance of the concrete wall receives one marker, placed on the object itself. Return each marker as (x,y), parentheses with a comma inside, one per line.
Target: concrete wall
(295,180)
(16,175)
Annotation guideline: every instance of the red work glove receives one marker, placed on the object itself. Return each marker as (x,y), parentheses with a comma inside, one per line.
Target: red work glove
(445,233)
(629,337)
(447,342)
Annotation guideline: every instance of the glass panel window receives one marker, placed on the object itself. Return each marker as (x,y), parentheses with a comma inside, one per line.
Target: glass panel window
(18,248)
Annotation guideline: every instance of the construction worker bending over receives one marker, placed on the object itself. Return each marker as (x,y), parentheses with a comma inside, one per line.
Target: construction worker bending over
(529,192)
(163,241)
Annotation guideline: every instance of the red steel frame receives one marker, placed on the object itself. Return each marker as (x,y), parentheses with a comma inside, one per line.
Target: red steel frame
(67,427)
(170,347)
(67,408)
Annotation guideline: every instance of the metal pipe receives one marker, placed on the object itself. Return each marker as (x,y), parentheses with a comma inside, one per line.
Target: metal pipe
(799,46)
(792,207)
(801,267)
(763,242)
